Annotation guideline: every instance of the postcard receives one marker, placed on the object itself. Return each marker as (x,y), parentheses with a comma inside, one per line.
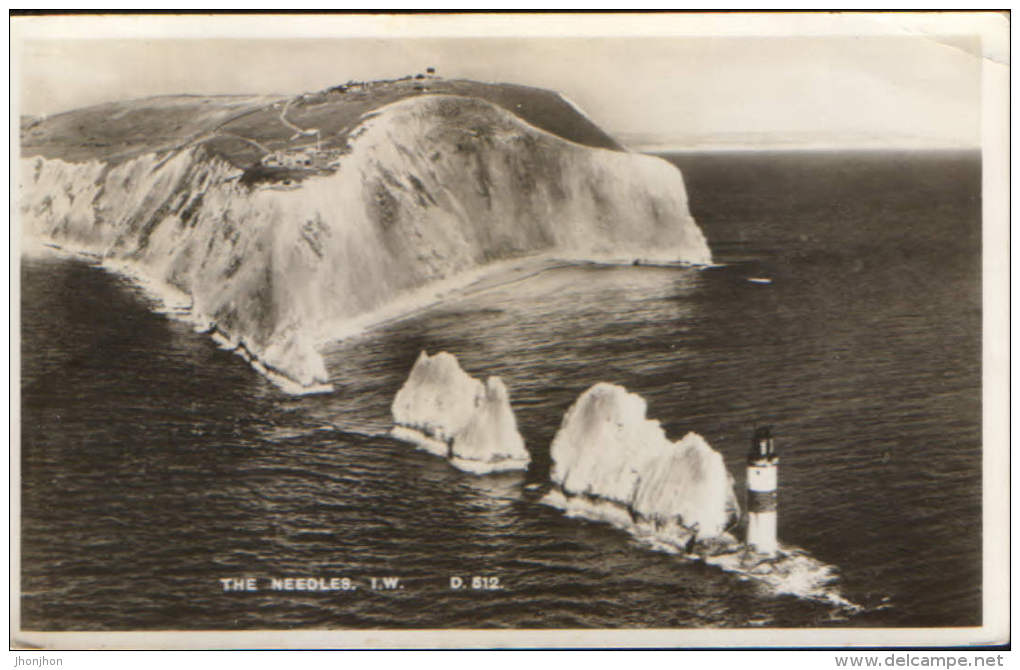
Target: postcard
(510,330)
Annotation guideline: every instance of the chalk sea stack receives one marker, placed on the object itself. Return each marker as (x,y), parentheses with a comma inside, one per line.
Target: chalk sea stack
(445,411)
(609,461)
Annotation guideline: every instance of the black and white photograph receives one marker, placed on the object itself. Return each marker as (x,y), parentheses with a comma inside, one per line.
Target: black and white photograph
(523,330)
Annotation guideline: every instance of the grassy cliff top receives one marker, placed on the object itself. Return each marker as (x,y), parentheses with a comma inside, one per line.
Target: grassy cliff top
(243,129)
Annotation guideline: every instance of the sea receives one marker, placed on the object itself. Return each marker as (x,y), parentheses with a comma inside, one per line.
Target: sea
(161,476)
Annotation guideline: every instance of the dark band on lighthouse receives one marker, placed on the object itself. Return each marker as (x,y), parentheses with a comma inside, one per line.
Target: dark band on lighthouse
(762,501)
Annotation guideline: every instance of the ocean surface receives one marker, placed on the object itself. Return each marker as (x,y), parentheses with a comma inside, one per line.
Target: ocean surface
(154,464)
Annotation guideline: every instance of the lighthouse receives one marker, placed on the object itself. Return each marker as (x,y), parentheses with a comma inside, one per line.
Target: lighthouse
(762,495)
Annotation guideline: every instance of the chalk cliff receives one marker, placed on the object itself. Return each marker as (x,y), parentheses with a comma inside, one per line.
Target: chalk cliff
(420,193)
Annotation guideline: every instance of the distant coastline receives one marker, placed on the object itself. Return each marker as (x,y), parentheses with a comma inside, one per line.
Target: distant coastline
(744,143)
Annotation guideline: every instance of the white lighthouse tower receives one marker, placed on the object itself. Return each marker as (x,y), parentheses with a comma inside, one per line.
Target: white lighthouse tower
(762,495)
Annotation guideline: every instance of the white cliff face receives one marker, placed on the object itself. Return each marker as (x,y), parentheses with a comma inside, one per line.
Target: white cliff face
(445,411)
(435,189)
(608,454)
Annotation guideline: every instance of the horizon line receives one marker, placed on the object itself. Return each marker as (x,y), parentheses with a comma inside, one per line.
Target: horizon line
(765,147)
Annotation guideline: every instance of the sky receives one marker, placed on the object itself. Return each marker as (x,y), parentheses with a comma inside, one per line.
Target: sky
(904,89)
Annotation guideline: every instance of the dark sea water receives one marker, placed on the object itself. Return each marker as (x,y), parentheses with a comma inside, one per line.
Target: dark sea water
(154,464)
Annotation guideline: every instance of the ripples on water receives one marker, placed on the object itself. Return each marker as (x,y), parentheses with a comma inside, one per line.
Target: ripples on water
(154,463)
